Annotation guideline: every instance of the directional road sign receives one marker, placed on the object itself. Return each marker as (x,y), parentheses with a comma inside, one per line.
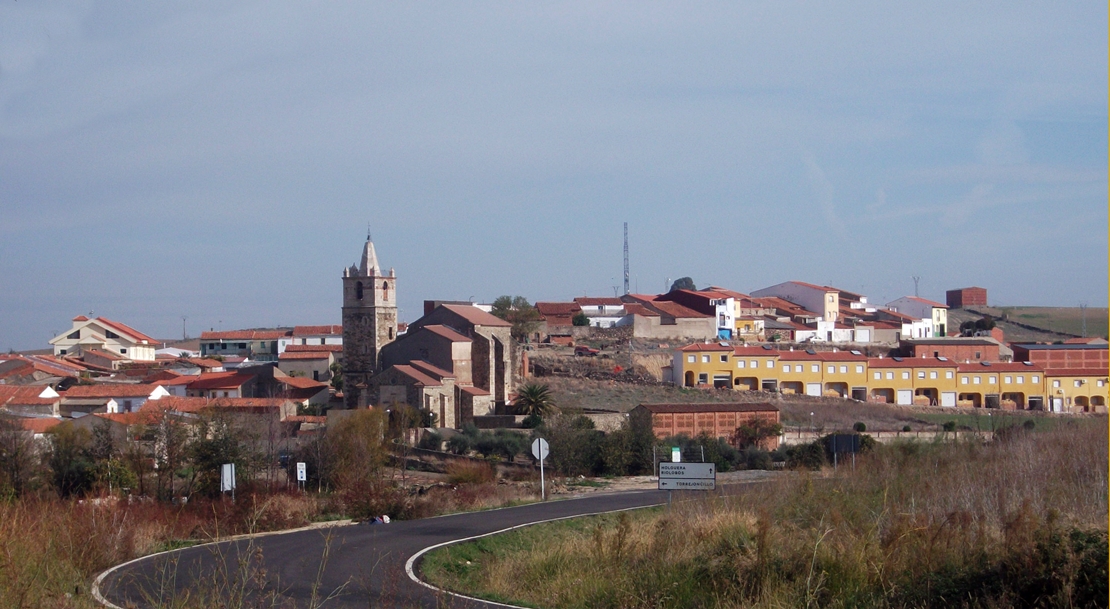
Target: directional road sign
(687,476)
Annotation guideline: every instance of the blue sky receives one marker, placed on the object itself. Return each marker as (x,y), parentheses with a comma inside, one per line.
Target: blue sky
(221,160)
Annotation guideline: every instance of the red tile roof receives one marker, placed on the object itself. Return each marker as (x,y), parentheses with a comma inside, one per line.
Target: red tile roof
(814,286)
(909,362)
(303,355)
(1076,372)
(709,407)
(34,424)
(706,347)
(431,370)
(245,335)
(639,309)
(417,375)
(1000,367)
(221,380)
(474,391)
(111,390)
(333,330)
(448,333)
(558,309)
(126,330)
(142,417)
(313,348)
(203,362)
(300,382)
(585,301)
(108,355)
(181,379)
(24,395)
(931,303)
(676,310)
(755,352)
(80,318)
(824,356)
(476,316)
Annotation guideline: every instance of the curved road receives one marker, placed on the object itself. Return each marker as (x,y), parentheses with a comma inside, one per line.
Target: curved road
(347,566)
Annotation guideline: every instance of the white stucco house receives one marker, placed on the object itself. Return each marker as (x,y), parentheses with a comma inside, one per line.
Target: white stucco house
(102,334)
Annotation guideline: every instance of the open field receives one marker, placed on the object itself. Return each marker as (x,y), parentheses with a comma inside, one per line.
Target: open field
(1016,523)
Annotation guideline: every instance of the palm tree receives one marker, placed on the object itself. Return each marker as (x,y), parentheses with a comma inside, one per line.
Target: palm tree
(534,399)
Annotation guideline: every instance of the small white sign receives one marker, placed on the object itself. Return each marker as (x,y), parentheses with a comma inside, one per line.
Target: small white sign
(539,449)
(227,477)
(676,454)
(302,472)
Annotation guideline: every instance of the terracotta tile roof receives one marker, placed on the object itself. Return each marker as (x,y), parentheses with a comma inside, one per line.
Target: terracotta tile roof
(221,380)
(640,297)
(931,303)
(303,355)
(300,382)
(558,309)
(126,330)
(639,309)
(1076,372)
(1091,340)
(108,355)
(24,395)
(175,403)
(448,333)
(909,362)
(181,379)
(673,309)
(730,293)
(142,417)
(431,370)
(706,347)
(80,318)
(204,362)
(246,335)
(814,286)
(474,391)
(824,356)
(34,424)
(476,316)
(111,390)
(417,375)
(313,348)
(193,405)
(750,351)
(774,302)
(586,301)
(332,330)
(709,407)
(999,367)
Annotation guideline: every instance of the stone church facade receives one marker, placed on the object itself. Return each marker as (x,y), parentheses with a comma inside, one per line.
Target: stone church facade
(369,323)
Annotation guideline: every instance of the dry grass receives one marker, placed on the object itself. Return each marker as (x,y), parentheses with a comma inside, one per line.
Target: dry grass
(1016,523)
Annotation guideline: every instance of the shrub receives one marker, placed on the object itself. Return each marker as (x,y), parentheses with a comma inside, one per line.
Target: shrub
(950,426)
(859,427)
(757,458)
(906,428)
(470,472)
(459,444)
(430,441)
(531,421)
(806,456)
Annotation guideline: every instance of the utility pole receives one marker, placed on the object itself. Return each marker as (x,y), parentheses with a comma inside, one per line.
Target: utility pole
(1083,308)
(915,280)
(184,336)
(625,257)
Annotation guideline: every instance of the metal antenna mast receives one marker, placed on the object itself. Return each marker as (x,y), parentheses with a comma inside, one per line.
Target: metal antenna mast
(1083,308)
(915,280)
(625,257)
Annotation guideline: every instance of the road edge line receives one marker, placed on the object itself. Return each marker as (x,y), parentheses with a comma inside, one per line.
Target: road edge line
(411,562)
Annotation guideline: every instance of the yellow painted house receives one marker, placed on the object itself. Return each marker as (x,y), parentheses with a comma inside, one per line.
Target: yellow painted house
(1077,390)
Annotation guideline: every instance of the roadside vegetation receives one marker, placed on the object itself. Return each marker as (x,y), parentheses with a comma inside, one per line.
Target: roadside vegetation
(1018,522)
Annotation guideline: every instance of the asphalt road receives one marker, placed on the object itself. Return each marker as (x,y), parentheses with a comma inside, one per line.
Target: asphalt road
(340,567)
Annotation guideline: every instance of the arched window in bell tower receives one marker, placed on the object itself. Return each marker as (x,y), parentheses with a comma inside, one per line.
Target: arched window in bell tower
(358,290)
(385,291)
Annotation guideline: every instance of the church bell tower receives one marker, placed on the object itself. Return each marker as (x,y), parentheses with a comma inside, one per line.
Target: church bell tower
(369,323)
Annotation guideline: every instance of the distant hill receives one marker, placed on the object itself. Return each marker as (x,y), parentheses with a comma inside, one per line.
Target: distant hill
(1045,324)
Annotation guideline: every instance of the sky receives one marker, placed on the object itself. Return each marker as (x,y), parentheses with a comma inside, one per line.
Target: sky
(222,162)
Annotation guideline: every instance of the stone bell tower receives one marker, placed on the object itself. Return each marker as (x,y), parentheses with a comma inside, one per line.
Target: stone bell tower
(369,322)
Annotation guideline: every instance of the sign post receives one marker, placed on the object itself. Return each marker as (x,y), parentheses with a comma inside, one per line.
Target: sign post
(540,451)
(302,474)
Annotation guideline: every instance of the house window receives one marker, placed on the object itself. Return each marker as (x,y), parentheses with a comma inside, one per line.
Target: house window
(1078,383)
(890,376)
(1100,383)
(978,354)
(976,380)
(63,352)
(844,370)
(1035,379)
(831,298)
(390,334)
(262,345)
(992,380)
(932,374)
(689,359)
(1007,379)
(830,369)
(786,367)
(705,359)
(226,394)
(110,334)
(905,375)
(385,290)
(74,335)
(1021,380)
(724,359)
(123,351)
(878,375)
(797,368)
(770,364)
(739,363)
(1055,383)
(358,290)
(815,368)
(242,345)
(948,374)
(703,378)
(963,380)
(755,364)
(920,374)
(859,368)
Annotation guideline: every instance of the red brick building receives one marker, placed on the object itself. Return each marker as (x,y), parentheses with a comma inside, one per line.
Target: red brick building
(716,420)
(955,348)
(1064,357)
(966,297)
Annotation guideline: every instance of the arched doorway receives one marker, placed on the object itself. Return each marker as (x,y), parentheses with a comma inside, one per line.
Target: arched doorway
(689,382)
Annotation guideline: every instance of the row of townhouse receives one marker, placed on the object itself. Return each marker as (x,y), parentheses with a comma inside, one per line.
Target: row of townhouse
(926,380)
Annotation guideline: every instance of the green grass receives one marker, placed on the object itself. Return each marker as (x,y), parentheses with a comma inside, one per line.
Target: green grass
(587,482)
